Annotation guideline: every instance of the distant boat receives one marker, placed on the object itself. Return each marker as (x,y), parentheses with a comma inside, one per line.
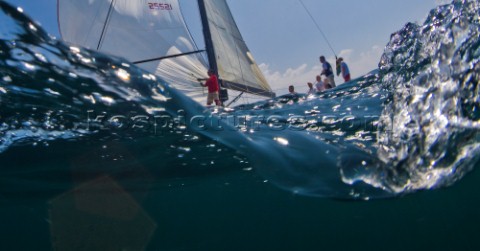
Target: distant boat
(154,35)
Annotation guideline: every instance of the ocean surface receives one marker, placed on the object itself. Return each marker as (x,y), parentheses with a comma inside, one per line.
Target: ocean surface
(96,154)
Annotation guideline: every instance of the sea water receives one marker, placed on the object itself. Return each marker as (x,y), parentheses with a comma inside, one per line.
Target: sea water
(97,154)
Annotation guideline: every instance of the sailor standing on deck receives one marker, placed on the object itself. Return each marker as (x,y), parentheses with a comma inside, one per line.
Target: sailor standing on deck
(343,67)
(327,71)
(213,89)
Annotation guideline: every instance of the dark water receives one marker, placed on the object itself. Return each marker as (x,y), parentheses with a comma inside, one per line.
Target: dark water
(98,155)
(250,215)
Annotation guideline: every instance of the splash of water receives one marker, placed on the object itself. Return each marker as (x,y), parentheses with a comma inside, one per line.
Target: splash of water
(429,128)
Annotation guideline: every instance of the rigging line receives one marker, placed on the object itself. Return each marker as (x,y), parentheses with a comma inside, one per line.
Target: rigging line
(318,27)
(235,99)
(102,35)
(91,26)
(165,57)
(189,32)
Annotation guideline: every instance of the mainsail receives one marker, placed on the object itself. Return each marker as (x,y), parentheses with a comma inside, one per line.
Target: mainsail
(228,52)
(154,35)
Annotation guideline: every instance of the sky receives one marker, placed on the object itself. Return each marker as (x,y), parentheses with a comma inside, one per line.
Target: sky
(285,41)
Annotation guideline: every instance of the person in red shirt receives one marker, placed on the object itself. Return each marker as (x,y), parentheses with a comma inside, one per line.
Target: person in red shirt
(213,89)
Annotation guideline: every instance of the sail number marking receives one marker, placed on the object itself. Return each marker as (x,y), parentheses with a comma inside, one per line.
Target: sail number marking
(160,6)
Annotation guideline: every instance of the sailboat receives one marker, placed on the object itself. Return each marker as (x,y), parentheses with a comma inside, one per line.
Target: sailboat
(154,36)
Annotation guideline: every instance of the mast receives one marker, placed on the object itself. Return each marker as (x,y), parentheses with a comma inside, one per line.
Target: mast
(208,37)
(212,59)
(236,68)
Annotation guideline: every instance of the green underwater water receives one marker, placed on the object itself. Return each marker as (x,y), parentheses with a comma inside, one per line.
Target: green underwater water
(232,209)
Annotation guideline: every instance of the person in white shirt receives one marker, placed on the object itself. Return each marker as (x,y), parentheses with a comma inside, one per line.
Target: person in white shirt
(319,84)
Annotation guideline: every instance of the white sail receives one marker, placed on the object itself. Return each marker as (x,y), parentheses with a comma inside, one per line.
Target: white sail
(145,32)
(235,64)
(138,30)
